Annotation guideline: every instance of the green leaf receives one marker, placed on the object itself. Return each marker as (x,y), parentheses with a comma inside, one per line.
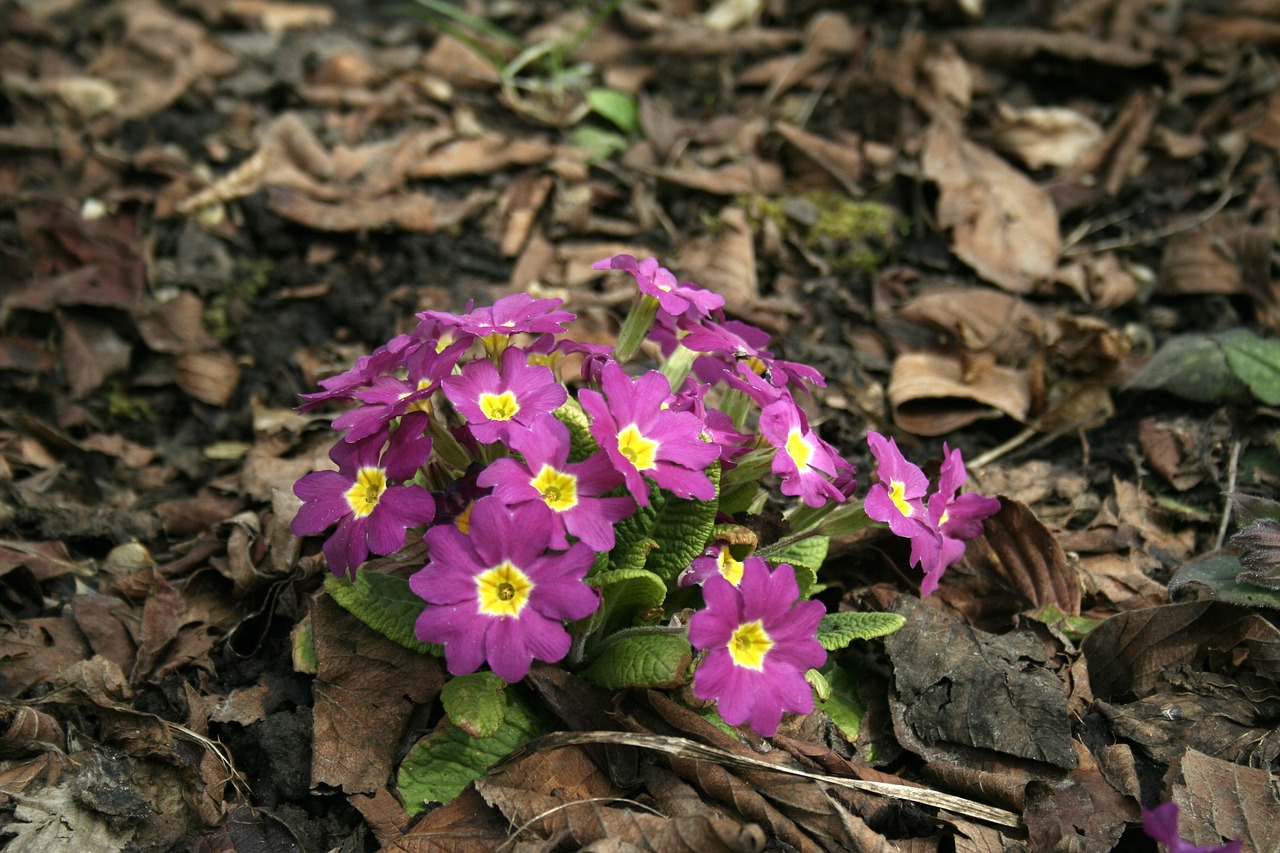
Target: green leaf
(642,660)
(440,765)
(302,639)
(581,442)
(476,703)
(1217,574)
(618,107)
(626,593)
(599,144)
(1193,367)
(632,542)
(837,630)
(805,556)
(842,704)
(384,603)
(1256,361)
(682,529)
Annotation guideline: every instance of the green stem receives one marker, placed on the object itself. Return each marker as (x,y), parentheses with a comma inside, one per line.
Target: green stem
(636,326)
(678,365)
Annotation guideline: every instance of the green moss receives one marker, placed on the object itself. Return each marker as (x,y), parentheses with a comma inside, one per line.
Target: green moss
(844,232)
(122,407)
(250,278)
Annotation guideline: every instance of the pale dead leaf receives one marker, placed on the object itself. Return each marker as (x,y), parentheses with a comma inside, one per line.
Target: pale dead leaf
(1221,800)
(209,377)
(748,176)
(841,160)
(930,393)
(276,17)
(725,262)
(1045,136)
(982,319)
(1003,225)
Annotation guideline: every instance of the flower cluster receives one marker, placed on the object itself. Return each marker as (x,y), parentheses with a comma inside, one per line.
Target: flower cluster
(520,480)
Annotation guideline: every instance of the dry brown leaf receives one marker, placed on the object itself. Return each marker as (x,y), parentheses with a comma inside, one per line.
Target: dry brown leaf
(842,160)
(276,17)
(466,825)
(32,650)
(930,393)
(1219,800)
(982,319)
(1083,806)
(725,262)
(365,691)
(1013,45)
(209,377)
(1016,548)
(1123,581)
(411,211)
(749,176)
(1045,136)
(1003,225)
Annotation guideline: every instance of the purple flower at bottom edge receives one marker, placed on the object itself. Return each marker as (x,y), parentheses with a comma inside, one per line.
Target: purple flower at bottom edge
(496,595)
(760,641)
(1161,824)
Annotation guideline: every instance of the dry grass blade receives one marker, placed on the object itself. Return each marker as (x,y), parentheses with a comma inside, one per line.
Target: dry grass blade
(684,748)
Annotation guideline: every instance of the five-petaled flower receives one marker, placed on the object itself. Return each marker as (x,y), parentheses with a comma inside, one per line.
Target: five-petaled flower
(677,298)
(497,594)
(954,518)
(760,641)
(570,490)
(803,460)
(644,437)
(371,511)
(493,400)
(511,315)
(898,499)
(1161,824)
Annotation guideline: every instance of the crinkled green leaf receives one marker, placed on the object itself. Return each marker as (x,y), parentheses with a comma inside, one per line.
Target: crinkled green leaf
(682,529)
(842,704)
(581,442)
(626,593)
(805,556)
(441,764)
(632,542)
(642,660)
(1193,367)
(1256,361)
(384,603)
(837,630)
(1217,574)
(475,703)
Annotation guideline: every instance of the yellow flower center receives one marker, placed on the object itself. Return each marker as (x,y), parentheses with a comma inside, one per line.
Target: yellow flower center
(503,590)
(363,495)
(730,569)
(559,490)
(749,644)
(640,451)
(499,407)
(896,490)
(798,449)
(463,519)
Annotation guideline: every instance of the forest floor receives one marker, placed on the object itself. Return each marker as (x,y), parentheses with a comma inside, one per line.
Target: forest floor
(1044,233)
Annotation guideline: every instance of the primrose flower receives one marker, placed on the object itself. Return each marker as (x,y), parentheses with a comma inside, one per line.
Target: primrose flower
(510,315)
(494,400)
(802,459)
(740,347)
(898,498)
(644,437)
(389,397)
(372,514)
(677,298)
(954,518)
(569,489)
(1161,824)
(497,595)
(715,561)
(760,641)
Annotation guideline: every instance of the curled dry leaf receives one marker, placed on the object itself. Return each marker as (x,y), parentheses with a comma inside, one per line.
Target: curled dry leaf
(1045,136)
(209,377)
(982,319)
(931,393)
(1003,225)
(1018,549)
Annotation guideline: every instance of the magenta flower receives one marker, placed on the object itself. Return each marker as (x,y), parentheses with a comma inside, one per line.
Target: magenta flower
(955,518)
(803,461)
(571,490)
(1161,824)
(510,315)
(372,514)
(760,642)
(898,499)
(497,595)
(677,298)
(643,437)
(494,400)
(740,348)
(715,561)
(389,397)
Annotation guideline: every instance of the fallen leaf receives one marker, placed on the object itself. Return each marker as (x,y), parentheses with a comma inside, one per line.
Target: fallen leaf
(930,393)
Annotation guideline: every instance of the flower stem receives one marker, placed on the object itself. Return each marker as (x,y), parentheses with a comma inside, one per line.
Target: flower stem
(635,327)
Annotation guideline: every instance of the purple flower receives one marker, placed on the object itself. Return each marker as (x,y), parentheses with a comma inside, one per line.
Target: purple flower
(570,490)
(371,513)
(493,400)
(715,561)
(389,397)
(643,437)
(898,498)
(677,298)
(955,518)
(740,347)
(1161,824)
(760,642)
(510,315)
(497,595)
(802,459)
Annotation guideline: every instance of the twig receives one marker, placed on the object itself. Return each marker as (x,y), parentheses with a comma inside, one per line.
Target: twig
(1233,467)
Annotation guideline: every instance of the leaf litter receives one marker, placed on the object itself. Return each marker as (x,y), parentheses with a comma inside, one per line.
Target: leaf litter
(212,204)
